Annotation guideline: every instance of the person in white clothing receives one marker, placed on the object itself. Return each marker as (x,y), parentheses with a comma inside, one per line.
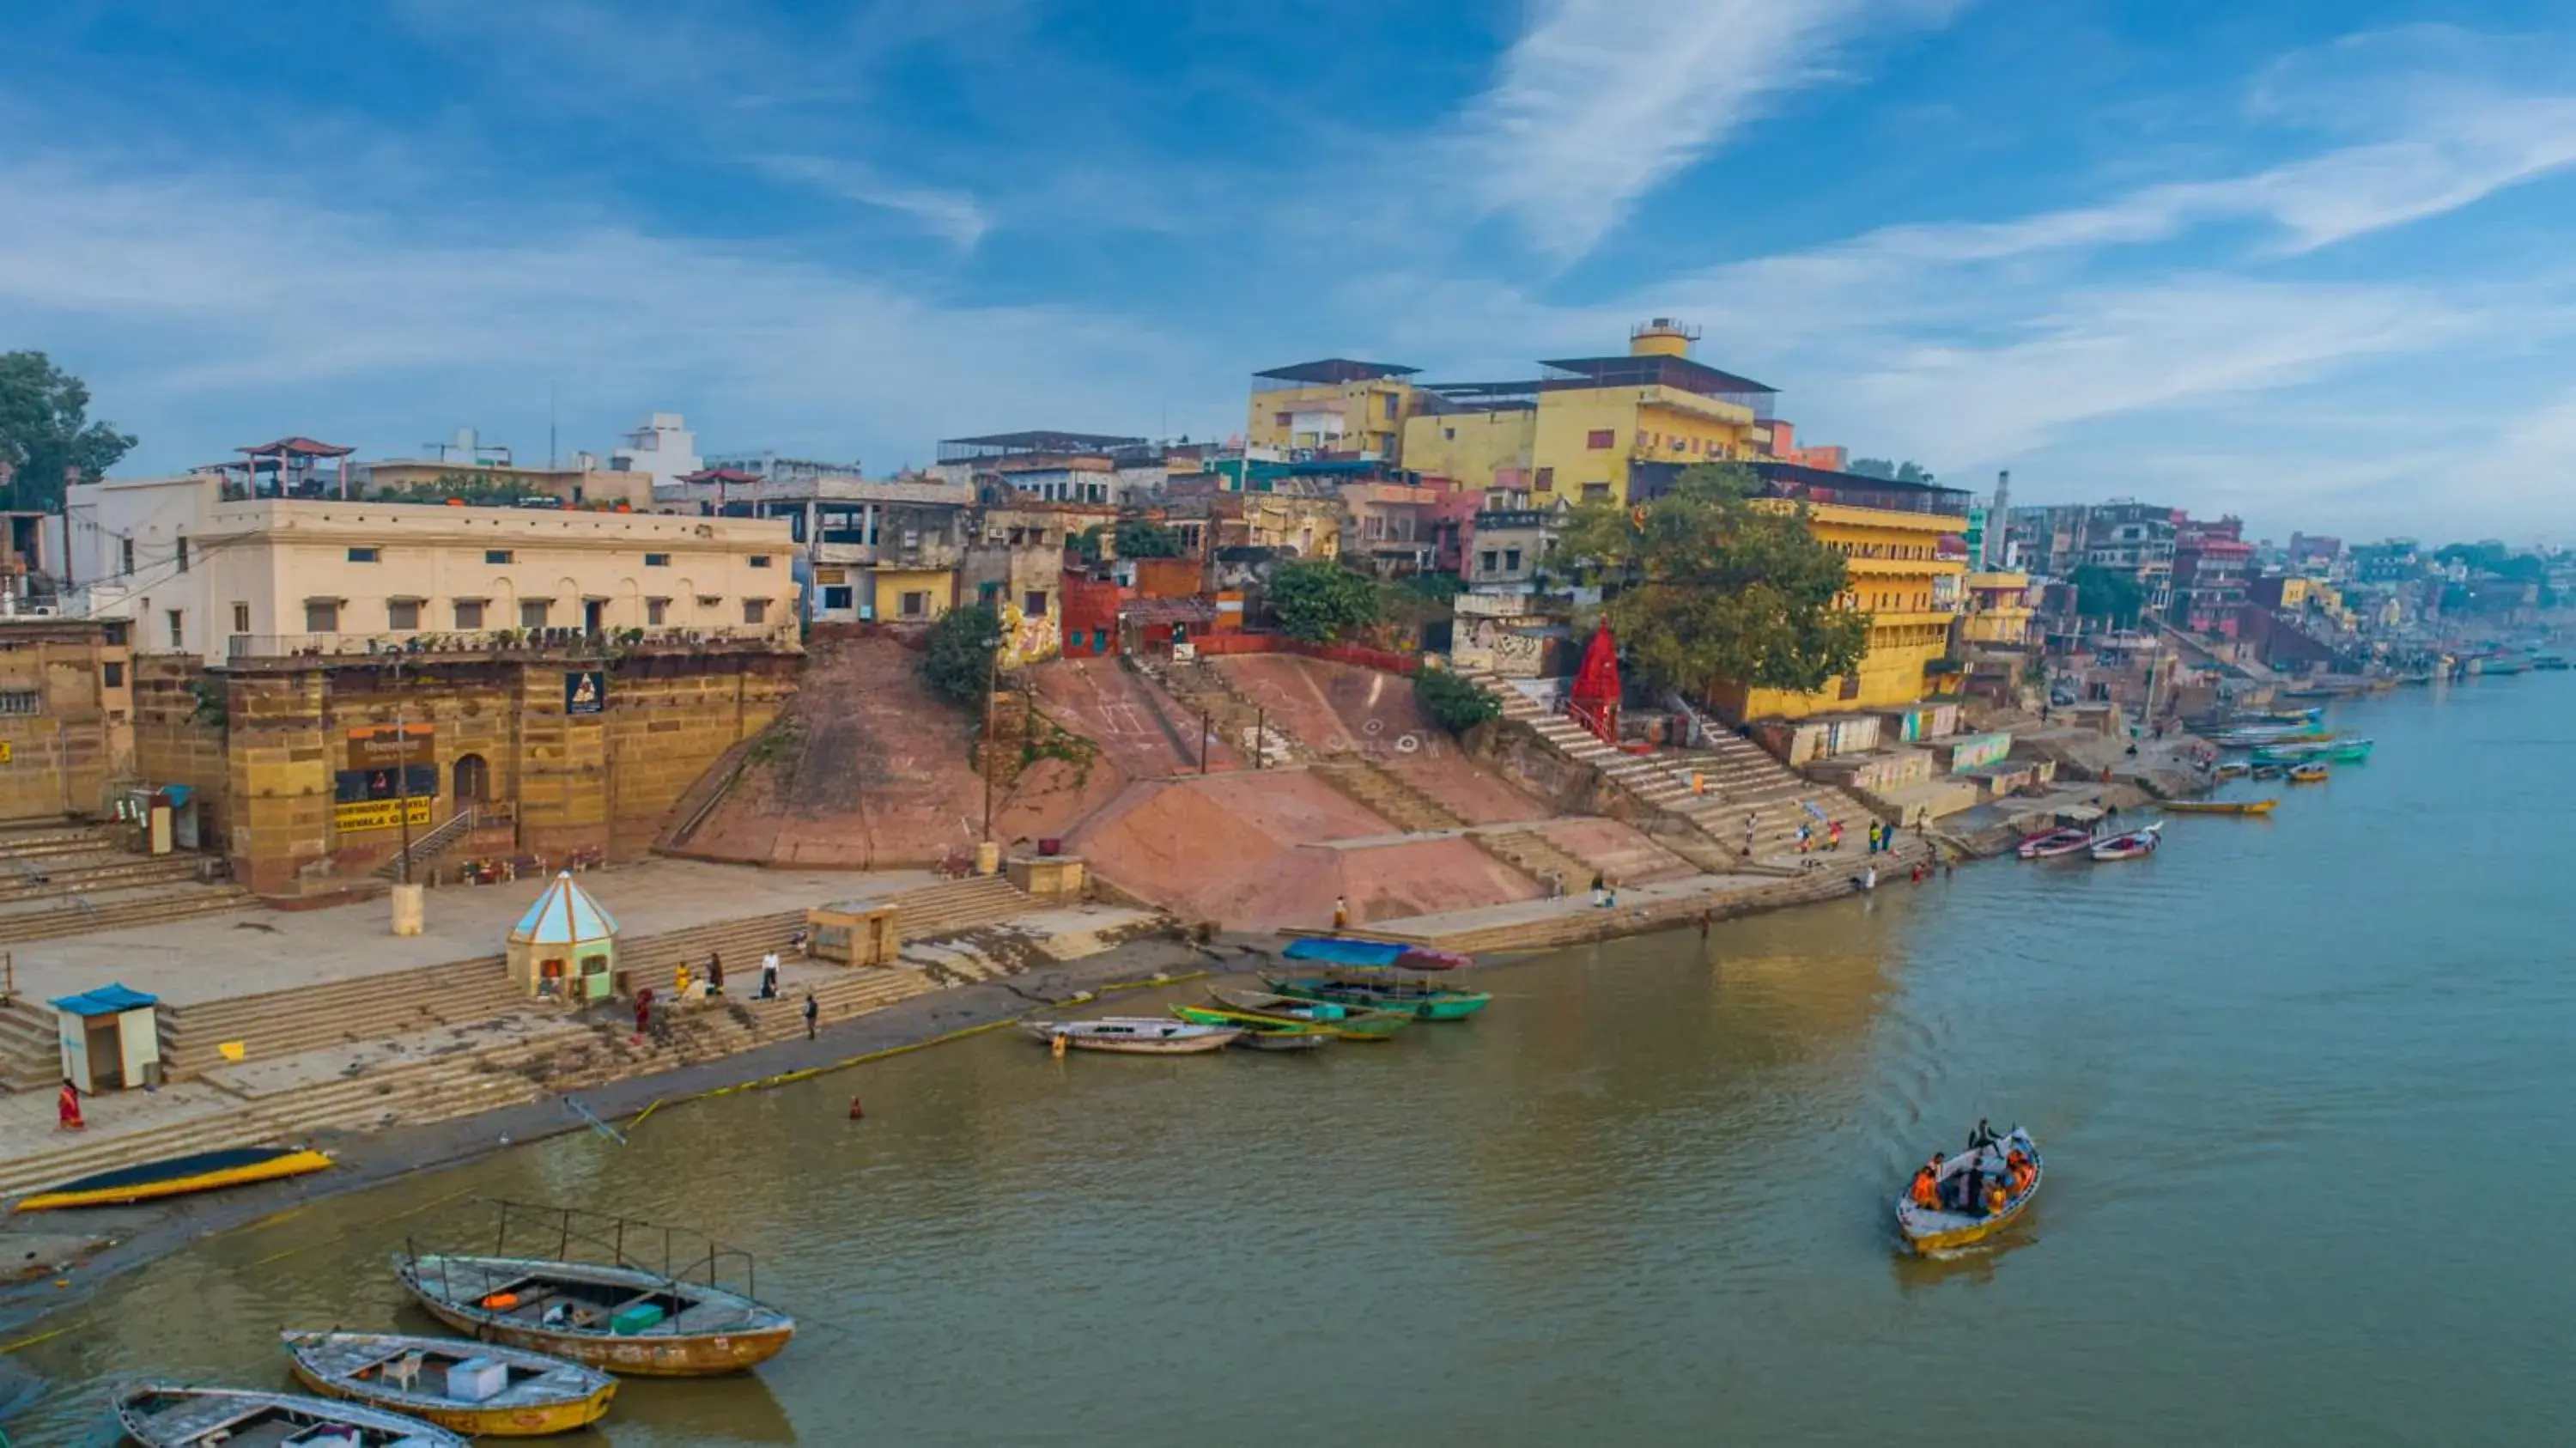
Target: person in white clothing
(769,976)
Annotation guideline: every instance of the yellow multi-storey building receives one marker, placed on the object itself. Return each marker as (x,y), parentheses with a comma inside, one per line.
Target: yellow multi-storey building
(1583,430)
(1998,610)
(1901,546)
(1336,405)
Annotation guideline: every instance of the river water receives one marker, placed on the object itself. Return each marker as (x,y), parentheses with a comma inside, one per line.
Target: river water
(2305,1085)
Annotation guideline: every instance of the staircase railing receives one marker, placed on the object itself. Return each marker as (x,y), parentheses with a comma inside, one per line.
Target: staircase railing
(427,847)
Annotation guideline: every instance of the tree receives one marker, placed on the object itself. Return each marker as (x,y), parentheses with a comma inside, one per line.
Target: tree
(1715,587)
(1456,704)
(1908,471)
(45,431)
(1145,538)
(1319,600)
(2109,595)
(957,662)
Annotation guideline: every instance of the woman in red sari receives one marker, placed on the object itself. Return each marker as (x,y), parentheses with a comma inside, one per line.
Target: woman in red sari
(67,1108)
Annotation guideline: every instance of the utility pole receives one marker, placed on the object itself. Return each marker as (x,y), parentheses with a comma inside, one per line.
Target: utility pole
(992,678)
(402,770)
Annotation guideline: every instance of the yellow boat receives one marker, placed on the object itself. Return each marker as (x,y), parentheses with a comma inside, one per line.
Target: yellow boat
(2221,806)
(177,1176)
(2308,773)
(437,1380)
(1928,1230)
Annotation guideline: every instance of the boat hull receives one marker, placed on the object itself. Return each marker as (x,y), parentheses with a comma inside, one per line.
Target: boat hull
(177,1177)
(708,1356)
(1926,1233)
(755,1334)
(2221,807)
(534,1421)
(1198,1040)
(1436,1006)
(165,1416)
(1355,1025)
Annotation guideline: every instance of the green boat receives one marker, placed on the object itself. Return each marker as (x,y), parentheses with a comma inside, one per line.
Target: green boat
(2293,753)
(1388,993)
(1251,1007)
(2349,750)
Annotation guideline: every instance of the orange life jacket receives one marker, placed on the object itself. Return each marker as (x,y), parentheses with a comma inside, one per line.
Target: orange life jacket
(1927,1190)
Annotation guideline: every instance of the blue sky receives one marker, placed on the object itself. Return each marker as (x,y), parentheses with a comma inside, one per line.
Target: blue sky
(2305,261)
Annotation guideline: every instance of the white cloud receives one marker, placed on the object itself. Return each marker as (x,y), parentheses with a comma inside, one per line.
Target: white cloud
(216,293)
(952,215)
(1602,100)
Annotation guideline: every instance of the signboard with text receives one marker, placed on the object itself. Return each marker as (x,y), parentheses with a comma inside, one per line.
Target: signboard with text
(585,691)
(377,814)
(387,746)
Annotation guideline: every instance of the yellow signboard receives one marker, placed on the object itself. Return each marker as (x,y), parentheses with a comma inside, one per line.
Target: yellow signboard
(376,814)
(6,750)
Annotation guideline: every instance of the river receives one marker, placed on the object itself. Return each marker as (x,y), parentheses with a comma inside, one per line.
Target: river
(2305,1086)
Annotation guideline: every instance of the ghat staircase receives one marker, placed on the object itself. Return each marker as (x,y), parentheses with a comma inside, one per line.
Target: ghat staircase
(60,878)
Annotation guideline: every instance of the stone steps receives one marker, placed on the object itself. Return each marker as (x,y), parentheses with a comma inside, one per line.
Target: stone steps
(276,1024)
(31,1056)
(75,874)
(158,907)
(1384,794)
(1534,855)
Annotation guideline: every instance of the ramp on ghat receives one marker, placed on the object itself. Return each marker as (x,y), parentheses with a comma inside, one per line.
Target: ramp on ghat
(1342,709)
(1258,851)
(872,770)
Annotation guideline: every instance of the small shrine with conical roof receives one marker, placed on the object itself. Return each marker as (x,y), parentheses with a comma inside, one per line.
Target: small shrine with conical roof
(565,947)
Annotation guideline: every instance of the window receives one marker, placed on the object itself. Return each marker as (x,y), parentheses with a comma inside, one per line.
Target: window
(112,674)
(1034,603)
(1389,399)
(178,620)
(1594,492)
(708,602)
(657,612)
(402,615)
(915,604)
(985,593)
(21,701)
(127,555)
(1511,560)
(837,598)
(755,610)
(321,615)
(1486,561)
(760,560)
(657,560)
(532,612)
(241,618)
(183,555)
(1546,480)
(1600,438)
(469,613)
(366,555)
(499,555)
(1279,419)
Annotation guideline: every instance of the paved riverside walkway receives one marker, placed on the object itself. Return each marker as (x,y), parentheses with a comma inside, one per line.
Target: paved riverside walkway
(1541,923)
(191,961)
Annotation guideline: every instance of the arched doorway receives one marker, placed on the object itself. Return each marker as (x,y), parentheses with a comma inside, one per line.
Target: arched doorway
(473,780)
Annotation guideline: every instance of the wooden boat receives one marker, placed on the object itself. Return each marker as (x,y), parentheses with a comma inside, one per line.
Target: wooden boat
(1335,950)
(2292,753)
(2308,773)
(1348,1023)
(163,1415)
(2548,662)
(1927,1230)
(2231,770)
(1388,993)
(2350,751)
(2221,806)
(2266,771)
(526,1394)
(203,1171)
(1260,1035)
(2506,665)
(621,1318)
(1134,1035)
(2135,845)
(2269,734)
(2054,843)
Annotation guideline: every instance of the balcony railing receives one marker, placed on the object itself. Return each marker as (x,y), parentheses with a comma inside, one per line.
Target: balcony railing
(547,641)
